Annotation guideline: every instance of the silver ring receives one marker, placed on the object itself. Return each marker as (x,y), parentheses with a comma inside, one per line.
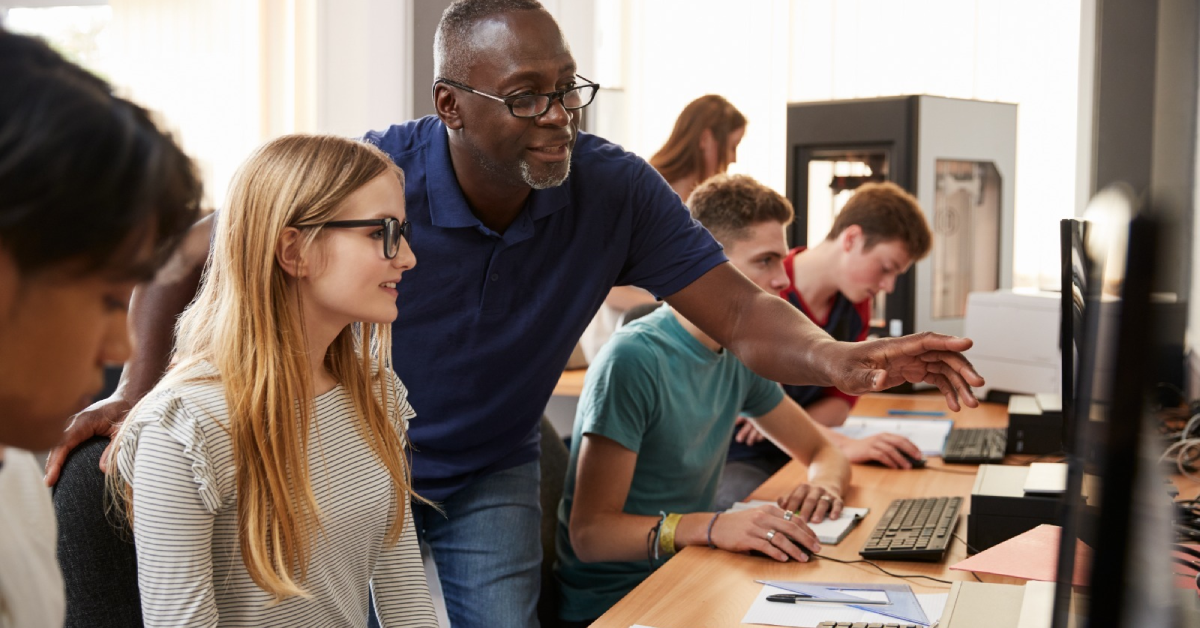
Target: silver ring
(770,535)
(826,498)
(788,514)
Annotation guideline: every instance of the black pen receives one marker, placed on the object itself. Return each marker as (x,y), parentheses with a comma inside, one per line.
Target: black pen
(792,598)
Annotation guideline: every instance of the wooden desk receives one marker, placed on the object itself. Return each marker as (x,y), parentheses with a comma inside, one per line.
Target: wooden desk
(570,383)
(713,588)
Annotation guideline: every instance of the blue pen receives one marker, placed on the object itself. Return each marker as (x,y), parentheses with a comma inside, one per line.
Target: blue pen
(916,413)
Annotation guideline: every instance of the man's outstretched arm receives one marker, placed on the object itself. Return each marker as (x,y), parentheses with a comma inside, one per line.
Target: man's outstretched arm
(780,343)
(152,313)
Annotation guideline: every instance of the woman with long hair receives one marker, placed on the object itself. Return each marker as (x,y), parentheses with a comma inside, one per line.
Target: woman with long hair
(265,475)
(93,198)
(703,144)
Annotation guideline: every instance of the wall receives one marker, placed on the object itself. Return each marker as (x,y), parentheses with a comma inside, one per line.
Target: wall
(364,65)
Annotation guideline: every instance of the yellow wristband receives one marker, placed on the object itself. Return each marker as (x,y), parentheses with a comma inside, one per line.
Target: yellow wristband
(666,538)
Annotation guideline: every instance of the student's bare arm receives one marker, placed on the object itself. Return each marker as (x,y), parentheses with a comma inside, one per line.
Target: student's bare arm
(152,313)
(601,531)
(830,411)
(796,434)
(778,342)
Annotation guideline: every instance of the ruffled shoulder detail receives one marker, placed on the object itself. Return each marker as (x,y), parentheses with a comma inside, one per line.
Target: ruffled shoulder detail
(401,411)
(169,409)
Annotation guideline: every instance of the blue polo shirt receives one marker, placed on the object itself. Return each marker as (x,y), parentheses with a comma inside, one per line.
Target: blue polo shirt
(488,320)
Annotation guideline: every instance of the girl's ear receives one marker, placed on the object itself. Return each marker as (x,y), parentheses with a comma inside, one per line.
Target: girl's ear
(289,252)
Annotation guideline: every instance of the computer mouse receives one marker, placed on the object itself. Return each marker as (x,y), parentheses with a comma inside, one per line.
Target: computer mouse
(917,463)
(807,552)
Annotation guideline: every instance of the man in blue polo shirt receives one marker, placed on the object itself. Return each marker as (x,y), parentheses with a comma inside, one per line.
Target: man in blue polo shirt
(522,224)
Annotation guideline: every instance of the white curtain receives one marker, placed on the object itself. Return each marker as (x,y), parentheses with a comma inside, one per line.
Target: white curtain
(225,75)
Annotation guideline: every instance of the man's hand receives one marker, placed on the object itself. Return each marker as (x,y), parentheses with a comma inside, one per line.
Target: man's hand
(927,357)
(102,418)
(886,449)
(746,432)
(813,503)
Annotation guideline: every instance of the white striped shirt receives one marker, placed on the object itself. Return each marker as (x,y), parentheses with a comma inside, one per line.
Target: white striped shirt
(179,460)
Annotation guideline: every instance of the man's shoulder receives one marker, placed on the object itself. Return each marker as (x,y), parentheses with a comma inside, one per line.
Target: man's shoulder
(606,160)
(406,137)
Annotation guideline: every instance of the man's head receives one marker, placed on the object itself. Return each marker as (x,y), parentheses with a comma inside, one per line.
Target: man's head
(503,48)
(880,232)
(748,219)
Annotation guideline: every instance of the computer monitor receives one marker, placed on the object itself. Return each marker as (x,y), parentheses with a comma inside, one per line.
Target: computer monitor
(1106,461)
(1072,287)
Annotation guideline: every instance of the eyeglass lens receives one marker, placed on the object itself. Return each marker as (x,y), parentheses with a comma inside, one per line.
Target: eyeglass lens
(393,230)
(537,104)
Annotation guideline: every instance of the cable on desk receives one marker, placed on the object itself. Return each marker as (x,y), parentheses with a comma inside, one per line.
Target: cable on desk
(970,549)
(876,565)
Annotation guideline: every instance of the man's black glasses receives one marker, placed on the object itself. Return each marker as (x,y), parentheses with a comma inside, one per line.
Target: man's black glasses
(392,229)
(534,105)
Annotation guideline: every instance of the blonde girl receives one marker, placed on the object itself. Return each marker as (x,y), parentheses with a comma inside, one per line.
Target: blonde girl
(265,475)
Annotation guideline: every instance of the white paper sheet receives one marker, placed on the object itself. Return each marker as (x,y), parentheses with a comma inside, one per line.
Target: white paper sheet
(929,435)
(808,615)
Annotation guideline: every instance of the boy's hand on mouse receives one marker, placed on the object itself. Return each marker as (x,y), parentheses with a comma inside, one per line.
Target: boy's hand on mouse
(890,450)
(767,529)
(812,502)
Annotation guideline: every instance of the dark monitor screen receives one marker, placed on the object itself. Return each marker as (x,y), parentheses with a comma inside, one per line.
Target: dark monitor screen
(1109,474)
(1073,286)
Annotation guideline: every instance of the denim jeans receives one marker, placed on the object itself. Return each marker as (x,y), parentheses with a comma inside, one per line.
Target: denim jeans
(98,559)
(487,549)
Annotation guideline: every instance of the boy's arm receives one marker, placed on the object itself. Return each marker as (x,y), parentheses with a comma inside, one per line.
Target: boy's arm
(887,449)
(789,427)
(829,411)
(601,531)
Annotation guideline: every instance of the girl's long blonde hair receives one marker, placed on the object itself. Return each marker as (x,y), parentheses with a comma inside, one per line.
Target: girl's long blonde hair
(247,323)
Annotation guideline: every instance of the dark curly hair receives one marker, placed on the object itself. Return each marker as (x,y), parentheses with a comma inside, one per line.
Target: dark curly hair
(86,177)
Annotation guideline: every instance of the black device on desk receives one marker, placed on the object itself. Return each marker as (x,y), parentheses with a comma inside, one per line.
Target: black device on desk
(983,445)
(914,529)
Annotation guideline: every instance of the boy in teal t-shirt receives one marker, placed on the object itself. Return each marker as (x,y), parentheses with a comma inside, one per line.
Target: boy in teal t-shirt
(653,426)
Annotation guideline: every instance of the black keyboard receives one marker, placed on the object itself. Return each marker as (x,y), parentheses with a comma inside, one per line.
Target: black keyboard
(862,624)
(975,446)
(914,529)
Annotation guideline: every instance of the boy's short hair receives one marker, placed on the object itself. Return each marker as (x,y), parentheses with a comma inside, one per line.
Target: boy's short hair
(728,205)
(884,211)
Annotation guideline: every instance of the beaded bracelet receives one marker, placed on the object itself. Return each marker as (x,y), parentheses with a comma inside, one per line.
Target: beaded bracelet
(712,545)
(652,543)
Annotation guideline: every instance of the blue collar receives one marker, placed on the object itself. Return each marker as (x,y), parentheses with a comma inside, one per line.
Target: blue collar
(448,207)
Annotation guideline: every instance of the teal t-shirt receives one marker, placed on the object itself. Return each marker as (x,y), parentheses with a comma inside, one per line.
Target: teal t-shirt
(657,391)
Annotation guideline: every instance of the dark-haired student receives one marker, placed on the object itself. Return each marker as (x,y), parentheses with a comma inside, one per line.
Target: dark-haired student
(93,197)
(654,421)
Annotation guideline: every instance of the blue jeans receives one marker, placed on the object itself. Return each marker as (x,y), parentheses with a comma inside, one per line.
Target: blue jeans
(487,549)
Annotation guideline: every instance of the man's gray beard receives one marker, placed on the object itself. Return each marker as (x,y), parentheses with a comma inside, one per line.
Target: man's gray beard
(549,181)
